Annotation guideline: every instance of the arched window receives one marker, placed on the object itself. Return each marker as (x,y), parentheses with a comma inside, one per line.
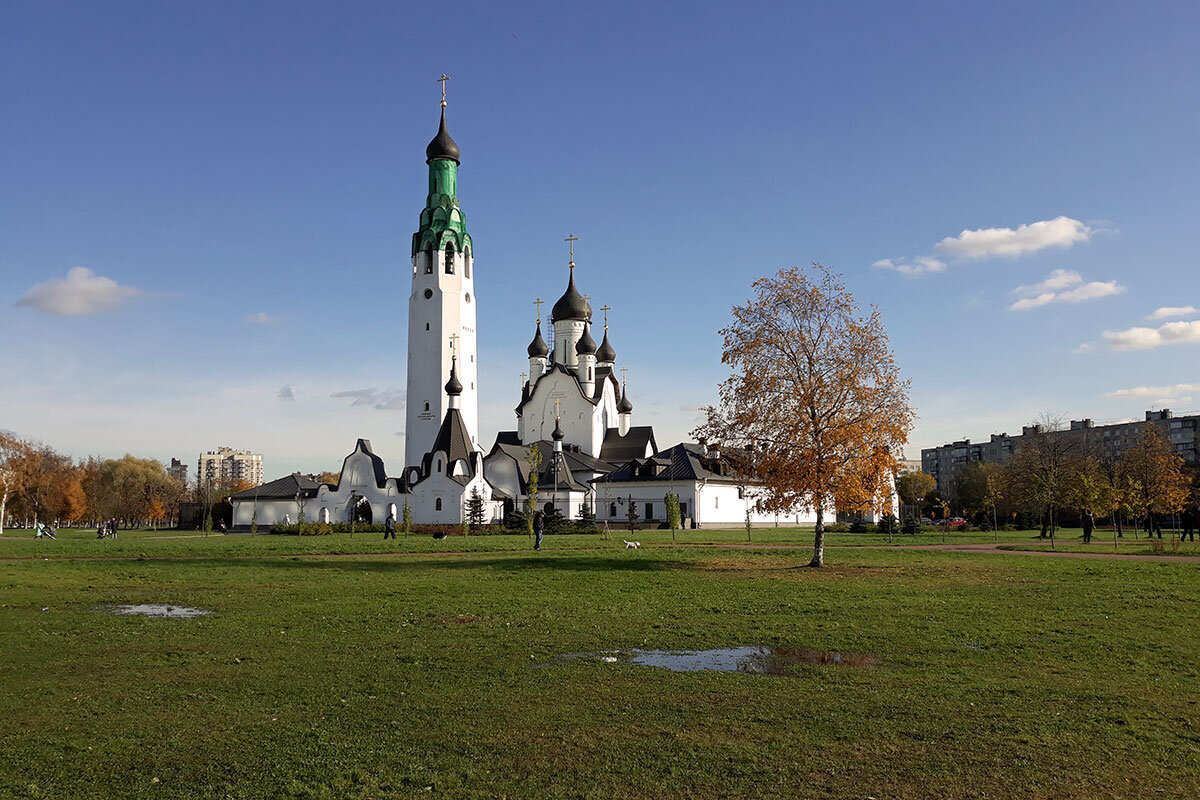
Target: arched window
(429,263)
(449,260)
(437,504)
(439,469)
(466,262)
(427,406)
(590,378)
(612,509)
(426,326)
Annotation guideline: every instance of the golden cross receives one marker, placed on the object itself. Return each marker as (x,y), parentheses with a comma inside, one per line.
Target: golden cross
(556,408)
(442,80)
(606,308)
(571,240)
(538,303)
(453,341)
(522,379)
(623,371)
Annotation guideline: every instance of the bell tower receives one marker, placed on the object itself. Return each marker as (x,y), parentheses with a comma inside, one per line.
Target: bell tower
(441,308)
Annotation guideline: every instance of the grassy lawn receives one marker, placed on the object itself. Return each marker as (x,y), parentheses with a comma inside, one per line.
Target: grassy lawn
(436,673)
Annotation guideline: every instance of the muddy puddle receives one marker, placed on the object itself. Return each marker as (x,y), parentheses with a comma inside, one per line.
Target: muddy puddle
(156,610)
(752,660)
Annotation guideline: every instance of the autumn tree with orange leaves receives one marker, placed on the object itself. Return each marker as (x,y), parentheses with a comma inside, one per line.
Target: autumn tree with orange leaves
(816,389)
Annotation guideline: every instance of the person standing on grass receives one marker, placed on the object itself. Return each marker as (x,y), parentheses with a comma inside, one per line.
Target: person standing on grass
(1088,524)
(389,527)
(112,528)
(539,525)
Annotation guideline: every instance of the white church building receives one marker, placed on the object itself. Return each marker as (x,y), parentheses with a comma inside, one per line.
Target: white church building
(572,409)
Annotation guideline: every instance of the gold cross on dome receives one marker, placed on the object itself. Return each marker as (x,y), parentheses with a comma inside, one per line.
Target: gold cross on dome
(556,408)
(538,303)
(453,342)
(571,240)
(522,379)
(606,308)
(623,371)
(442,80)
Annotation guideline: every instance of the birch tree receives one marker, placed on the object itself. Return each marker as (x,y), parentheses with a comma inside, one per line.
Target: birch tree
(816,387)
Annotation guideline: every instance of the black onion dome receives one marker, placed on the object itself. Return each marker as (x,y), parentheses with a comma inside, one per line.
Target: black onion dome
(571,305)
(623,405)
(442,146)
(453,386)
(558,434)
(606,352)
(586,345)
(538,348)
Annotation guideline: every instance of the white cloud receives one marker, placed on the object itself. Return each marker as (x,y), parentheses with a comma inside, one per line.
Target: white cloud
(917,266)
(993,242)
(1162,394)
(1168,312)
(1062,286)
(261,318)
(286,394)
(1146,338)
(1010,242)
(387,400)
(1086,347)
(81,292)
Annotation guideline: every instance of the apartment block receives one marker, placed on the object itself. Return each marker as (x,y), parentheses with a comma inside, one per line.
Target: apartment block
(226,466)
(1109,440)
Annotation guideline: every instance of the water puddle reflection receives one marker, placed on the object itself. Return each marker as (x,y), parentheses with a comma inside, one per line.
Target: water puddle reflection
(752,660)
(157,610)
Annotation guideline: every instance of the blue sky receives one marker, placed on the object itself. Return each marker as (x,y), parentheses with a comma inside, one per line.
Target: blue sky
(205,204)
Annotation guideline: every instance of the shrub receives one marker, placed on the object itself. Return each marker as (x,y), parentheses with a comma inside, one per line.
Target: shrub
(837,527)
(887,524)
(304,529)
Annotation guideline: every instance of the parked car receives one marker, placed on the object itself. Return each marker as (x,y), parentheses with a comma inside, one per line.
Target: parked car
(926,521)
(956,521)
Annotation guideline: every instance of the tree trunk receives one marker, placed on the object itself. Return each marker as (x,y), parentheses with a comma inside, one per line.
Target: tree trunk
(818,558)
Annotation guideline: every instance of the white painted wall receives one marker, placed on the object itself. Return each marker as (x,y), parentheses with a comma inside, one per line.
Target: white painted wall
(431,321)
(707,504)
(583,424)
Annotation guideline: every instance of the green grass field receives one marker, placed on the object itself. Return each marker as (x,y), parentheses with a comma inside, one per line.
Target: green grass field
(434,671)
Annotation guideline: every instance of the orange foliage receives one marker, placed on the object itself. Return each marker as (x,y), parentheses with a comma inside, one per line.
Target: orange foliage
(816,387)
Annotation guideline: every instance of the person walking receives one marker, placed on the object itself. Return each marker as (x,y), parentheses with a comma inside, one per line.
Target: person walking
(539,525)
(389,527)
(1088,524)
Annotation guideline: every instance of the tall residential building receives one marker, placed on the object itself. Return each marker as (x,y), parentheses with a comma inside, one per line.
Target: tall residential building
(178,471)
(1109,440)
(226,466)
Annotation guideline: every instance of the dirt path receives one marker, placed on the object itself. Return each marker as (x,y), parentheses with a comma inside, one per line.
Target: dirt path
(1003,548)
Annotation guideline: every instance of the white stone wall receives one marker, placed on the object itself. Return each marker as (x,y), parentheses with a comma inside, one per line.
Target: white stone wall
(707,504)
(583,424)
(431,321)
(567,333)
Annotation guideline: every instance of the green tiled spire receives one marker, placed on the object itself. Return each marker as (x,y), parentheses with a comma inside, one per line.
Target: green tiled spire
(442,222)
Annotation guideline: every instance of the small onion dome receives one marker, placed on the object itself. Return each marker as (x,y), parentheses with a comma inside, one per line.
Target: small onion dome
(537,348)
(453,386)
(623,405)
(586,345)
(606,352)
(558,434)
(442,147)
(571,305)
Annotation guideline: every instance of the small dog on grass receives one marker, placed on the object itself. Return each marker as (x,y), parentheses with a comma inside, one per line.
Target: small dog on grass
(631,545)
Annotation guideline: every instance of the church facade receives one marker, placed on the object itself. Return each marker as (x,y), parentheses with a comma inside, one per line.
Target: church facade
(574,419)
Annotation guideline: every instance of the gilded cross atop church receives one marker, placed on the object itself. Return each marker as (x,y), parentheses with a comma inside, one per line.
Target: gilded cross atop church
(623,371)
(453,342)
(442,80)
(556,417)
(606,308)
(538,303)
(571,240)
(523,376)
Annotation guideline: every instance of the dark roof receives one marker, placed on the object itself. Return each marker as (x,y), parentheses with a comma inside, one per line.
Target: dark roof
(454,385)
(618,449)
(453,439)
(571,305)
(606,352)
(586,344)
(284,488)
(623,405)
(560,478)
(442,147)
(538,347)
(683,462)
(508,437)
